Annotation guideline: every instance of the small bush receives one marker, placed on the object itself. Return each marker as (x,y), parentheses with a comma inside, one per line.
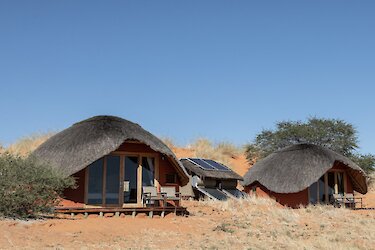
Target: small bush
(29,188)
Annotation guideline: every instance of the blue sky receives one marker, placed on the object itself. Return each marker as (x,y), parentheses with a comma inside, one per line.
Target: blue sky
(224,70)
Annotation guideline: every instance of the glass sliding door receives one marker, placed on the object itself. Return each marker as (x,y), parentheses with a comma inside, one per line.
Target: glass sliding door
(313,193)
(321,187)
(130,179)
(340,182)
(331,185)
(95,183)
(148,171)
(117,179)
(112,180)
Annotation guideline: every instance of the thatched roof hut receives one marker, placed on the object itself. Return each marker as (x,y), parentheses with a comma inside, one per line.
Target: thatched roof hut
(76,147)
(296,167)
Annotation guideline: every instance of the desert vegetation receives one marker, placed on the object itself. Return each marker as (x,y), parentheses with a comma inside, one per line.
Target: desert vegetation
(222,152)
(260,223)
(24,146)
(28,188)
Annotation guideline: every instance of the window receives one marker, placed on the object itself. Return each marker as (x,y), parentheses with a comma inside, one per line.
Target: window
(112,179)
(313,193)
(170,178)
(148,171)
(340,182)
(130,179)
(321,190)
(95,182)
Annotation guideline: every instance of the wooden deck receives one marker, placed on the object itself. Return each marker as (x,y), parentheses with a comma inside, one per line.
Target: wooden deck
(117,211)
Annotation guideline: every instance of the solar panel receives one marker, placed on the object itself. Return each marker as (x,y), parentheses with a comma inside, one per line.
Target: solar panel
(235,192)
(216,193)
(202,164)
(216,165)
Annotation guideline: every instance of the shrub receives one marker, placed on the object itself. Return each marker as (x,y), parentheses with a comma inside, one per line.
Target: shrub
(29,188)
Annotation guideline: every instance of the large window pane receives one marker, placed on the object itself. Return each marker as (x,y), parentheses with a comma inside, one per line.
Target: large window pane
(95,185)
(340,182)
(313,193)
(148,171)
(331,185)
(112,180)
(322,194)
(130,179)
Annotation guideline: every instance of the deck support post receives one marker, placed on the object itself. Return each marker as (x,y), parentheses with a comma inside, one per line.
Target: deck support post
(151,214)
(86,215)
(101,214)
(117,214)
(72,215)
(163,214)
(133,214)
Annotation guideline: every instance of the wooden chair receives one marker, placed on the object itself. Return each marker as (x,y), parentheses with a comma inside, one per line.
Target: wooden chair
(337,200)
(150,195)
(170,194)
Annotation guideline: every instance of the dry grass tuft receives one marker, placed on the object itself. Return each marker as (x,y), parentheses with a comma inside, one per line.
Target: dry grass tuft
(222,152)
(169,142)
(28,144)
(372,181)
(263,224)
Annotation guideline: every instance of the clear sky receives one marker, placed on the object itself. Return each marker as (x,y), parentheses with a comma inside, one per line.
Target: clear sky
(224,70)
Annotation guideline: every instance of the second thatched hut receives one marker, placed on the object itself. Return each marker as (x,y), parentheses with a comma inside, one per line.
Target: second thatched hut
(304,173)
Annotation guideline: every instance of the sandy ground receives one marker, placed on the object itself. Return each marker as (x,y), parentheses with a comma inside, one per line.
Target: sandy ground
(211,225)
(142,232)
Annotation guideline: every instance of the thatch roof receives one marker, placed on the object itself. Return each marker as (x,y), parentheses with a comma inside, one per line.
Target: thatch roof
(296,167)
(78,146)
(216,174)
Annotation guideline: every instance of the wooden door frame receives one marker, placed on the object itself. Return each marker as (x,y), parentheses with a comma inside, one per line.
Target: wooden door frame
(122,155)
